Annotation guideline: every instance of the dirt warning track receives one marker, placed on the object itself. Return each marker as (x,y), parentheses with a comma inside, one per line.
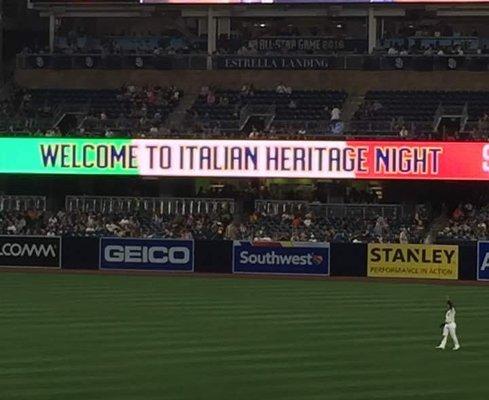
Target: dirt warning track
(200,275)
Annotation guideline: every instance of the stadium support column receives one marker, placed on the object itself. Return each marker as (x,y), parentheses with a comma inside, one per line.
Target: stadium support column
(211,36)
(52,27)
(372,30)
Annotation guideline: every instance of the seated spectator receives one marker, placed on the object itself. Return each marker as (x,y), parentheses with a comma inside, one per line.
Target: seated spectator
(335,114)
(377,106)
(283,89)
(337,127)
(211,99)
(292,104)
(458,213)
(204,91)
(392,51)
(403,237)
(224,101)
(403,132)
(254,134)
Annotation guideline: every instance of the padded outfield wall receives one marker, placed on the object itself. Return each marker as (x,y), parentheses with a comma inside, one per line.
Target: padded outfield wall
(206,256)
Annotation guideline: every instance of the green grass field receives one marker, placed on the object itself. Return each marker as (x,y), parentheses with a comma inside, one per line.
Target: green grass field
(127,337)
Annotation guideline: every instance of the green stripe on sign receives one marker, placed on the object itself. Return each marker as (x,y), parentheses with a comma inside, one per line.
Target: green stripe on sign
(68,156)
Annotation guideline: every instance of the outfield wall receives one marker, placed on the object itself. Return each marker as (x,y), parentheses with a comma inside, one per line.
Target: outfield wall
(460,261)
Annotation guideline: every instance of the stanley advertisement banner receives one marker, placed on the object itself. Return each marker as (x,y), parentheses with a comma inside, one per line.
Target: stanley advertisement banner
(412,261)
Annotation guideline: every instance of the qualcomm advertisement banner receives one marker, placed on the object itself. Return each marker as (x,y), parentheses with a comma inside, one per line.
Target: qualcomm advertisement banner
(281,257)
(245,158)
(30,251)
(412,261)
(146,254)
(483,261)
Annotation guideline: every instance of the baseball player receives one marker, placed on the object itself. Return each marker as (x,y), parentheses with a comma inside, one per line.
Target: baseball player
(449,327)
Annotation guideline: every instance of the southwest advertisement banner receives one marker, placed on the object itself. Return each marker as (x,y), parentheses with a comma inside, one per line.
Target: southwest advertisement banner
(146,254)
(30,251)
(412,261)
(247,158)
(483,261)
(303,258)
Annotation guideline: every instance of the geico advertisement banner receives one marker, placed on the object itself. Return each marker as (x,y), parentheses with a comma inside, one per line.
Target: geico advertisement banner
(412,261)
(30,251)
(247,158)
(483,261)
(281,257)
(147,254)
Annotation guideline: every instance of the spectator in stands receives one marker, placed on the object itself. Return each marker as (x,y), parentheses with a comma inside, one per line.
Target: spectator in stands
(254,134)
(392,51)
(283,89)
(233,231)
(337,128)
(403,133)
(403,236)
(223,100)
(484,123)
(292,104)
(377,106)
(335,114)
(204,91)
(211,98)
(247,90)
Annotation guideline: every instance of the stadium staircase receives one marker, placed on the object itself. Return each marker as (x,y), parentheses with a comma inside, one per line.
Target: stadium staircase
(176,118)
(436,226)
(350,107)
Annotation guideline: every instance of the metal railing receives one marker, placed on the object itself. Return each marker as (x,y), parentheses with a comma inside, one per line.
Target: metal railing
(276,207)
(476,62)
(386,128)
(111,61)
(171,206)
(22,203)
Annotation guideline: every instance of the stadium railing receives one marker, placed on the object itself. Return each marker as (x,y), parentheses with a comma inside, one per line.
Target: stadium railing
(22,203)
(172,206)
(275,207)
(473,62)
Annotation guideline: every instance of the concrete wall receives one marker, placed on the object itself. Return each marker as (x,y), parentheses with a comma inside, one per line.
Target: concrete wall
(191,80)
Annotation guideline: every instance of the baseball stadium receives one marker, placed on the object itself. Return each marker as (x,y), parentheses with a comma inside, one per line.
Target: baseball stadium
(244,199)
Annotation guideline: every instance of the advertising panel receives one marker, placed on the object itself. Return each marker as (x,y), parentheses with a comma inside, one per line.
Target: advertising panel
(146,254)
(281,257)
(412,261)
(30,251)
(483,261)
(245,158)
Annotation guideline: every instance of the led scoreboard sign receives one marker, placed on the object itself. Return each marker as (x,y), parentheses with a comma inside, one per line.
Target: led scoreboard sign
(247,159)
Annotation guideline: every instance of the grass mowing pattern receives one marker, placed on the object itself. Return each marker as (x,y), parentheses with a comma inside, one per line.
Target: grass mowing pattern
(119,337)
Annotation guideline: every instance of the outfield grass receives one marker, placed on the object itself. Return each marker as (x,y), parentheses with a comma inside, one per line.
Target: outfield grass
(121,337)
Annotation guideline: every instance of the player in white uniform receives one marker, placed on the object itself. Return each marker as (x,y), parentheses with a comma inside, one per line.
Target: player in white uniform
(449,327)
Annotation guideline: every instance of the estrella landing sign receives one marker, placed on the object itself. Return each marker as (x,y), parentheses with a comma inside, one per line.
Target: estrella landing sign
(412,261)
